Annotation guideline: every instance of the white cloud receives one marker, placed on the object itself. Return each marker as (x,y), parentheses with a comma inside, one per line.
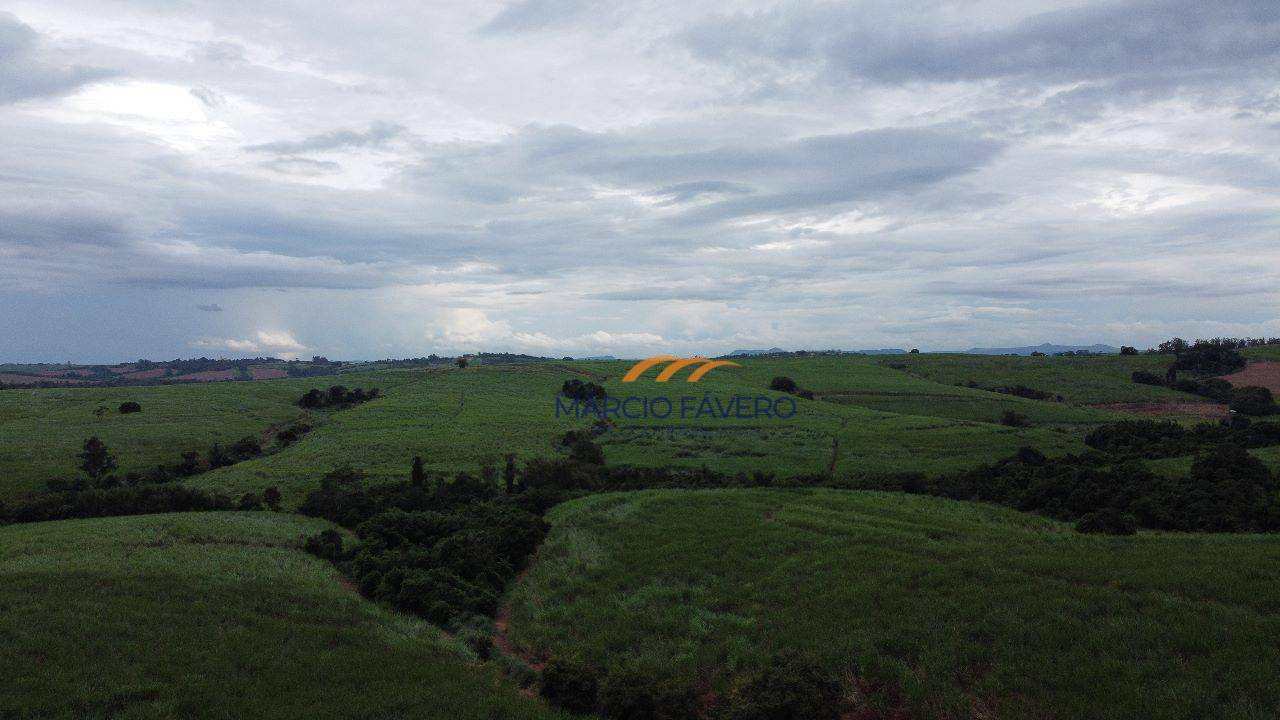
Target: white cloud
(277,343)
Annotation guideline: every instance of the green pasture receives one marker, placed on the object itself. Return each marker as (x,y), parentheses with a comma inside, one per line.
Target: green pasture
(941,608)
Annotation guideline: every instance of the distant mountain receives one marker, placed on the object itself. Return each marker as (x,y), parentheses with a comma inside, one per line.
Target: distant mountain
(1046,348)
(600,357)
(770,351)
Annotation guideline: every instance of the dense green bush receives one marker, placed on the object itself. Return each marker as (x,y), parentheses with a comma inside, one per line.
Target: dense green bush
(129,406)
(584,391)
(789,687)
(1143,377)
(1206,358)
(627,694)
(336,396)
(571,685)
(138,500)
(1253,401)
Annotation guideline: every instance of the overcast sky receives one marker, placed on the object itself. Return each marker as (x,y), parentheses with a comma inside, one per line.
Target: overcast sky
(376,179)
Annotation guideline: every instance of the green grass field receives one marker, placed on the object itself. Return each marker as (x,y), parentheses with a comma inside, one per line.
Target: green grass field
(44,429)
(1081,380)
(867,419)
(455,419)
(969,610)
(216,615)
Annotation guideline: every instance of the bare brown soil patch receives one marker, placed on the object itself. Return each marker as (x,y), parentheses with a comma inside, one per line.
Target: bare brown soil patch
(1262,373)
(258,373)
(145,374)
(74,372)
(15,379)
(208,376)
(1168,409)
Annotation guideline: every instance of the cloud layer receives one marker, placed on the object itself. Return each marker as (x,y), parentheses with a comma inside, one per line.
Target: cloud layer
(601,178)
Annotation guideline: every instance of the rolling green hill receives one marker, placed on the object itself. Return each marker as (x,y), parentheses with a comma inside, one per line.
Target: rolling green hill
(942,608)
(44,429)
(866,418)
(215,615)
(1082,380)
(454,419)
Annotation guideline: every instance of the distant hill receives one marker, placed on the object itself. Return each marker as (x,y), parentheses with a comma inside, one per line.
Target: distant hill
(1046,348)
(780,351)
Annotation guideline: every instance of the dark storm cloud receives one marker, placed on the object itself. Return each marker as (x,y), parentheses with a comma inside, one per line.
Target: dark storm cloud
(378,134)
(805,174)
(25,74)
(1109,40)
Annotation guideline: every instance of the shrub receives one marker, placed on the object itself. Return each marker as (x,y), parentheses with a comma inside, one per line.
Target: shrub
(1142,377)
(627,694)
(129,407)
(1253,401)
(783,384)
(1107,521)
(582,448)
(326,545)
(790,687)
(1013,419)
(271,497)
(336,396)
(571,685)
(138,500)
(249,501)
(578,390)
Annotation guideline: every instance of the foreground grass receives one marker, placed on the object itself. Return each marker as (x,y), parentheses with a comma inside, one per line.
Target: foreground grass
(215,615)
(966,610)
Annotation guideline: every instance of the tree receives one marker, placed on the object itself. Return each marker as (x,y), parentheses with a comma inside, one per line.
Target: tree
(461,362)
(509,474)
(271,496)
(97,462)
(914,351)
(1253,401)
(417,475)
(1128,350)
(129,407)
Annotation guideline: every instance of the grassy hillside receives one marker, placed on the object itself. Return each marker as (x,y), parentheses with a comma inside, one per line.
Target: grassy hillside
(215,616)
(867,418)
(966,610)
(1082,380)
(44,429)
(454,419)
